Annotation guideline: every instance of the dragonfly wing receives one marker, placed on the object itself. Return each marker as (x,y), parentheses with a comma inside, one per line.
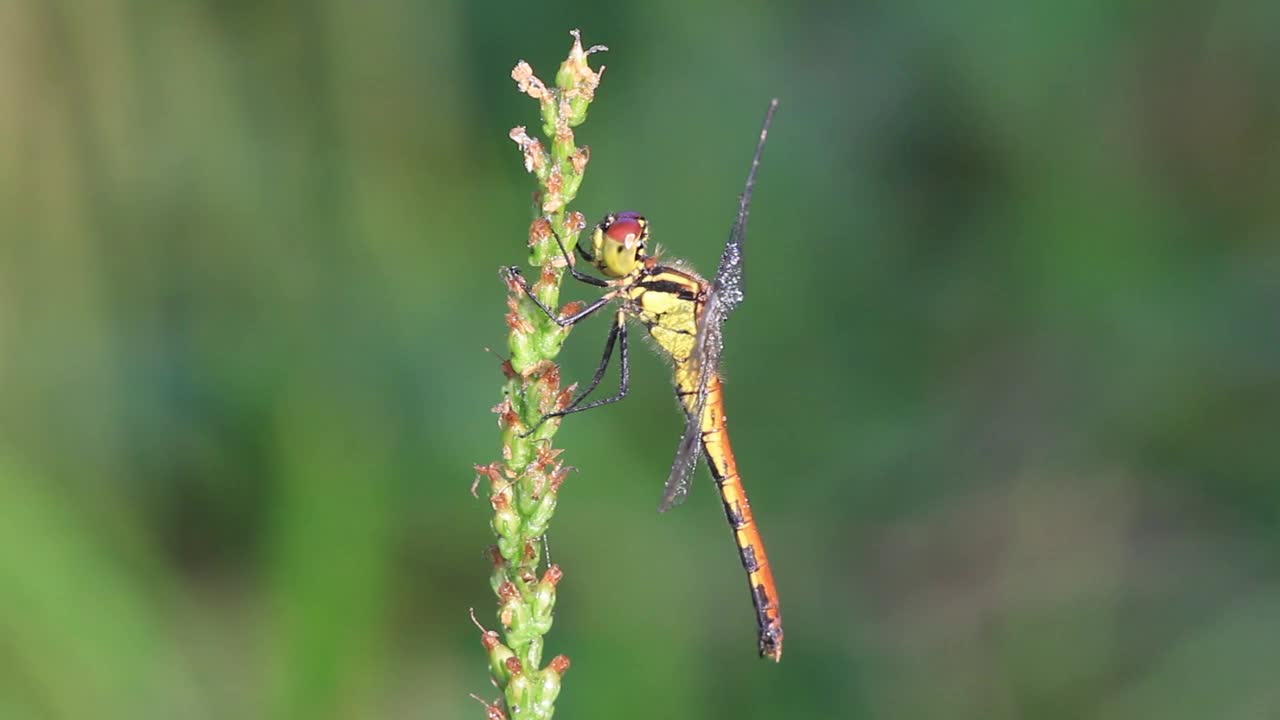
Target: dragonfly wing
(728,285)
(706,360)
(687,454)
(726,292)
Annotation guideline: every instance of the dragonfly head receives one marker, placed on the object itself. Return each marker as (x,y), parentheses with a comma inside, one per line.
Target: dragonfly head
(617,244)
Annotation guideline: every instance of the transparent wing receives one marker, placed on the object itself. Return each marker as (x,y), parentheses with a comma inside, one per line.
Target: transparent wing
(728,283)
(726,293)
(687,455)
(706,357)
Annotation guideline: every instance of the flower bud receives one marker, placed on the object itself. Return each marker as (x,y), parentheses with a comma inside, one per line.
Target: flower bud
(520,686)
(544,594)
(506,521)
(499,654)
(541,512)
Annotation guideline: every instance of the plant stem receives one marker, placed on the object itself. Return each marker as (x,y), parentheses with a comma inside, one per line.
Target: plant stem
(525,484)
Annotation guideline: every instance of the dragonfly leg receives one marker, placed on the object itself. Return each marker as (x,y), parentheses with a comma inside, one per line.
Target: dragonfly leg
(618,336)
(568,261)
(513,273)
(619,333)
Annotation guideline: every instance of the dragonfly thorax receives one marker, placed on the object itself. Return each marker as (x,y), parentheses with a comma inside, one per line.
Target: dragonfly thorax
(618,243)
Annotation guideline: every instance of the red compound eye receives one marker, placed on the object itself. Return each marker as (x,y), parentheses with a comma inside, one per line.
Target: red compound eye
(620,228)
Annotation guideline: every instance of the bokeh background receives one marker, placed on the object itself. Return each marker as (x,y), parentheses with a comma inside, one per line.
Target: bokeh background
(1006,389)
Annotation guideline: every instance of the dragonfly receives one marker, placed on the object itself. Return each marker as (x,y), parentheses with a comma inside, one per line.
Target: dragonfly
(683,313)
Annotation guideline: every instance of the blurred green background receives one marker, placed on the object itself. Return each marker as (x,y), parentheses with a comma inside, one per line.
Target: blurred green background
(1005,391)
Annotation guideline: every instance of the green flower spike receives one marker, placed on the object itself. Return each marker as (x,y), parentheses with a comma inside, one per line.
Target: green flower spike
(525,484)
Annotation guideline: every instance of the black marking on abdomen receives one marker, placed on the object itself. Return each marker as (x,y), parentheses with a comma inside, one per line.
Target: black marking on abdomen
(734,513)
(761,596)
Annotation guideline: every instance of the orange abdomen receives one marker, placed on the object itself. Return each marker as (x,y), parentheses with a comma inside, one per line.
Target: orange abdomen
(737,508)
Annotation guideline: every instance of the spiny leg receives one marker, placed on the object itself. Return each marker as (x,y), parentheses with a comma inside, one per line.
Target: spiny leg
(618,335)
(513,273)
(573,270)
(600,370)
(619,330)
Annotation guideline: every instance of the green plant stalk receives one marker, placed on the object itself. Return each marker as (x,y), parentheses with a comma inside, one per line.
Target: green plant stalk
(524,485)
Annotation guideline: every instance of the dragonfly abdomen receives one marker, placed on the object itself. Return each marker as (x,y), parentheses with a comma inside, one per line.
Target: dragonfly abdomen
(746,534)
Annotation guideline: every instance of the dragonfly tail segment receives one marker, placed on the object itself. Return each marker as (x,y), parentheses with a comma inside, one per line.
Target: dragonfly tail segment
(737,508)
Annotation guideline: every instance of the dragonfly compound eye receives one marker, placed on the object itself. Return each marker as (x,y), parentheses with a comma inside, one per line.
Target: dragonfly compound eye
(628,230)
